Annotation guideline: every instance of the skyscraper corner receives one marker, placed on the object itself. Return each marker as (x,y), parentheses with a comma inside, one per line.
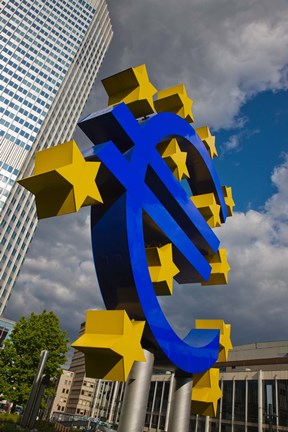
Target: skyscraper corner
(50,54)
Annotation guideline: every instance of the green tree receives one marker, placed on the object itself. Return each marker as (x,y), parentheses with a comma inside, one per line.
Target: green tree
(21,353)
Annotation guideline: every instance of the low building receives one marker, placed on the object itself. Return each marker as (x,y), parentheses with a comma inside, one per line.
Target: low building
(59,404)
(254,383)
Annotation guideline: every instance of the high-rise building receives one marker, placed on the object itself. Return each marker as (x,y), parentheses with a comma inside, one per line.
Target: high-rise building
(50,53)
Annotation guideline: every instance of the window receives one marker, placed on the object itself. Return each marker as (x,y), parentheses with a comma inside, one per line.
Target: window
(239,409)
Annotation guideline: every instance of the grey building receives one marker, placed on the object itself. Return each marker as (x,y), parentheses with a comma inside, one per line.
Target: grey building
(63,389)
(50,54)
(254,383)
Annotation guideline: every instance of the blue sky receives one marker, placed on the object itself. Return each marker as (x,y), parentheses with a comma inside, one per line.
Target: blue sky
(259,147)
(233,58)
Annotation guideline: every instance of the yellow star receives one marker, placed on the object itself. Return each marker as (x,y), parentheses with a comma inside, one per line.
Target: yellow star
(206,393)
(63,181)
(208,140)
(133,87)
(209,208)
(111,343)
(220,268)
(175,158)
(176,100)
(162,268)
(225,339)
(227,191)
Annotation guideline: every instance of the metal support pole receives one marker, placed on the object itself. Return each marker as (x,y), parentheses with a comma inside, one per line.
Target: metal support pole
(95,397)
(260,402)
(119,400)
(108,408)
(100,411)
(169,402)
(44,382)
(153,404)
(207,424)
(246,404)
(29,416)
(277,403)
(221,406)
(113,403)
(161,404)
(196,422)
(136,395)
(181,404)
(233,405)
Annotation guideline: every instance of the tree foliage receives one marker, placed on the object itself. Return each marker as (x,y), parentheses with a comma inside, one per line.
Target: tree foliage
(21,353)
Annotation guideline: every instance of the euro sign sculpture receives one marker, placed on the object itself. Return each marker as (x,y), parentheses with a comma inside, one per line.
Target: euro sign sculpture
(155,198)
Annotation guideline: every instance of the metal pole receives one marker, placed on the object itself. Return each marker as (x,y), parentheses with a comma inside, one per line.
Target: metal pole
(33,415)
(277,403)
(233,405)
(221,406)
(169,402)
(161,403)
(100,413)
(119,401)
(153,404)
(196,422)
(95,396)
(112,405)
(34,389)
(246,404)
(207,423)
(181,404)
(136,395)
(108,408)
(260,402)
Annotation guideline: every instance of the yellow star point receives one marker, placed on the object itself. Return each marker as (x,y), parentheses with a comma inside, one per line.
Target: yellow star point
(111,343)
(208,140)
(206,392)
(175,158)
(175,99)
(63,181)
(225,335)
(227,191)
(220,268)
(209,208)
(133,87)
(162,268)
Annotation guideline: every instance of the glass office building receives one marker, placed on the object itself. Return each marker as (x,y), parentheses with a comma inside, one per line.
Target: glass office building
(6,326)
(50,53)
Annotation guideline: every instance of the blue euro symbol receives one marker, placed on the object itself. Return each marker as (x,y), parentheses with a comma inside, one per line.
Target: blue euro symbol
(145,204)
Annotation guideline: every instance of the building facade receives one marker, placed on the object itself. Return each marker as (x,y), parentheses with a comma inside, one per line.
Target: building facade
(6,326)
(254,383)
(82,390)
(63,389)
(50,54)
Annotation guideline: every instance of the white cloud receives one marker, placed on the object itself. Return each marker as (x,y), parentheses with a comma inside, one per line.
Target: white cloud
(277,205)
(231,144)
(255,300)
(58,273)
(224,51)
